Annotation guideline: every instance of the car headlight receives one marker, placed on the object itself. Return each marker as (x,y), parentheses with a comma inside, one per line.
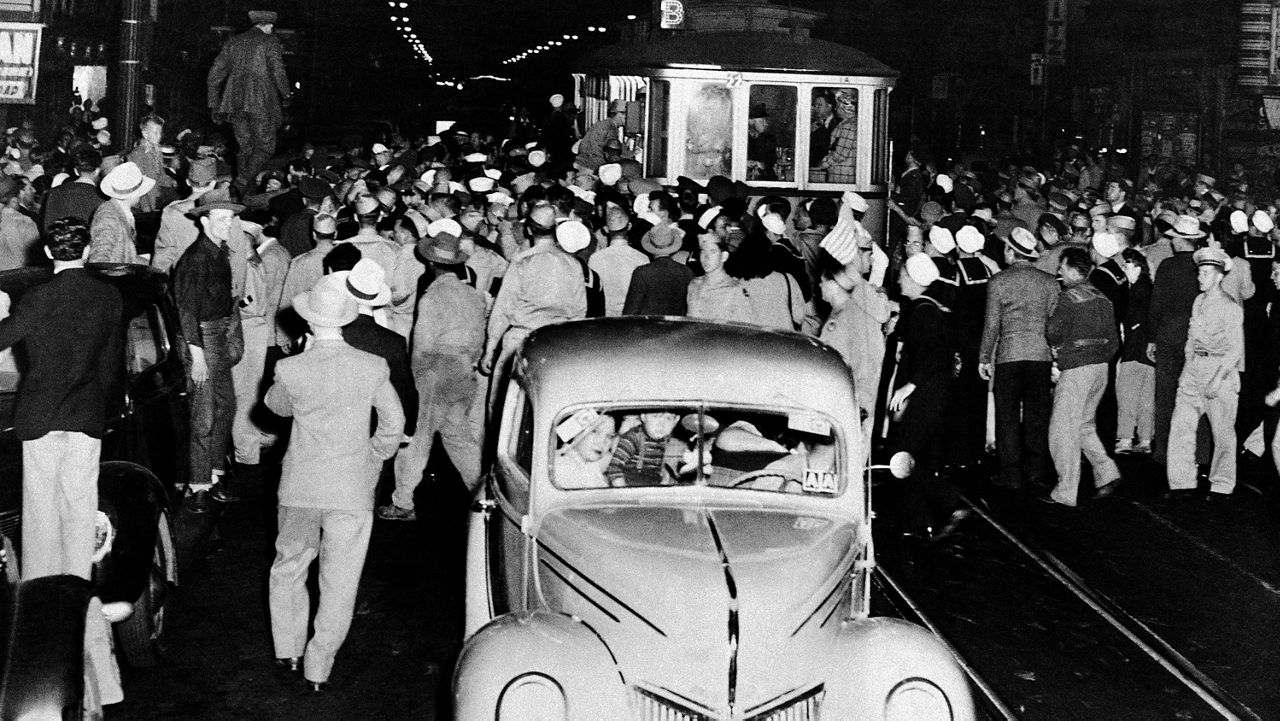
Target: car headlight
(917,699)
(532,697)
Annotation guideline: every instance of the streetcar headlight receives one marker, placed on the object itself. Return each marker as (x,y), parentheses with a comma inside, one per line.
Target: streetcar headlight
(917,699)
(532,697)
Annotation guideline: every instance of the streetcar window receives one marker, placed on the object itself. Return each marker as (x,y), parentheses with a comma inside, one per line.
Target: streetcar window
(771,133)
(833,135)
(709,131)
(659,105)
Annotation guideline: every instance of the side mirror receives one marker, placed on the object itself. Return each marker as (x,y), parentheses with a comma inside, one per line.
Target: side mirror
(902,464)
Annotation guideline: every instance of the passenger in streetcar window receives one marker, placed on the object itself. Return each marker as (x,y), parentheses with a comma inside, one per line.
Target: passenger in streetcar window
(762,145)
(824,124)
(841,160)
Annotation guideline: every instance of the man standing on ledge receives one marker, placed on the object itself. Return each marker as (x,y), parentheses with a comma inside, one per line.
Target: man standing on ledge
(248,88)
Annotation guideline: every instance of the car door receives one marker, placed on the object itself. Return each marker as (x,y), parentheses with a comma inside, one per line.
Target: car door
(509,487)
(156,379)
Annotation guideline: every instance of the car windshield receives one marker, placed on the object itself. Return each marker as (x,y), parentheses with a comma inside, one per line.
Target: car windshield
(671,445)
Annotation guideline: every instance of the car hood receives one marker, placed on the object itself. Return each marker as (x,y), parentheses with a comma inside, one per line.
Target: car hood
(671,589)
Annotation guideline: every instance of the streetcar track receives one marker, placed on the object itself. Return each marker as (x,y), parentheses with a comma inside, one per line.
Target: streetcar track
(882,578)
(1133,629)
(1207,549)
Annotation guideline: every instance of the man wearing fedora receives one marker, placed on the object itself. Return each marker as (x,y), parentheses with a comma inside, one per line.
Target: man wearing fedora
(1169,314)
(248,87)
(113,232)
(447,340)
(1015,356)
(591,148)
(367,283)
(328,480)
(762,145)
(202,290)
(661,286)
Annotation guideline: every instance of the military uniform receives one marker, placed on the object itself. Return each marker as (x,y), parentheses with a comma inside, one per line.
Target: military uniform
(1215,340)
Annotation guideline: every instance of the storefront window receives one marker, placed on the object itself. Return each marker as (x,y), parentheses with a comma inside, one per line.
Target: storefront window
(833,135)
(709,131)
(771,133)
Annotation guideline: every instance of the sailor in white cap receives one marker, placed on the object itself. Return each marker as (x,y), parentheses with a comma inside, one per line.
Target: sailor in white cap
(1107,275)
(968,418)
(928,507)
(1210,382)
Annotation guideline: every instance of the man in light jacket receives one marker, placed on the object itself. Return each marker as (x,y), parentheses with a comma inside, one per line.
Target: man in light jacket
(328,480)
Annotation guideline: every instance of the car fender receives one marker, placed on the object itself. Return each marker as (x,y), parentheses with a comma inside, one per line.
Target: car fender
(43,626)
(561,648)
(871,657)
(133,499)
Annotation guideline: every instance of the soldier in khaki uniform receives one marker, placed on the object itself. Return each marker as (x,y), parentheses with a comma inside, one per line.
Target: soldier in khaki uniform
(1210,381)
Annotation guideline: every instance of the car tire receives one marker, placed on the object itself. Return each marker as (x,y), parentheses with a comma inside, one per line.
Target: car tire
(141,635)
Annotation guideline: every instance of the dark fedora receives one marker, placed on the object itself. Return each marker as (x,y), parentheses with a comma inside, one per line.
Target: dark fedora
(720,189)
(216,199)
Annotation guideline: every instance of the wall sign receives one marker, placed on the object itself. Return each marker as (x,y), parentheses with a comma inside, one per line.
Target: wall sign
(669,14)
(19,62)
(1055,32)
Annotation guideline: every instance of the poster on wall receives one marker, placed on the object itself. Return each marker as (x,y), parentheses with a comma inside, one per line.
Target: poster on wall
(19,62)
(1171,135)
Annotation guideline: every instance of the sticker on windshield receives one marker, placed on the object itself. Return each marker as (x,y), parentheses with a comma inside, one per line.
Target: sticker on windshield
(808,423)
(570,427)
(816,481)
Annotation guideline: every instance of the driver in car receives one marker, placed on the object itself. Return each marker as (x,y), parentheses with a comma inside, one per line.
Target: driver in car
(647,454)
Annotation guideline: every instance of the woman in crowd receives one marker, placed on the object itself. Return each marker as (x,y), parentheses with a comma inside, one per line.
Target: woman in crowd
(716,295)
(776,300)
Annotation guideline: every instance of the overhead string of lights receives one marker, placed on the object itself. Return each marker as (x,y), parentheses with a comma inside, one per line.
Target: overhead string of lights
(406,30)
(553,44)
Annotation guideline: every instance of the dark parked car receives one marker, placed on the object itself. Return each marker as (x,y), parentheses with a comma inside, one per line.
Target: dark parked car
(144,453)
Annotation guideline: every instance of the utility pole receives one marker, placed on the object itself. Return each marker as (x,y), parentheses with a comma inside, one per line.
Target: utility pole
(129,84)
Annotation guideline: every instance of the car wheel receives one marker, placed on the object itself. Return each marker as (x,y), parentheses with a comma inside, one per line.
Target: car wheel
(141,635)
(90,702)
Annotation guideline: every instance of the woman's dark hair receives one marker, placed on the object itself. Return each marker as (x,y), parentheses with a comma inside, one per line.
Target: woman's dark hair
(752,259)
(669,203)
(1131,255)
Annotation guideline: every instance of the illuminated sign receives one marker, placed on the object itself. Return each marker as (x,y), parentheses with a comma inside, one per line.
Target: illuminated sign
(1055,32)
(19,62)
(669,14)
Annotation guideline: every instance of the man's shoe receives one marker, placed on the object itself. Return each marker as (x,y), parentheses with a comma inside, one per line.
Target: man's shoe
(1124,445)
(220,494)
(1143,447)
(1106,489)
(197,502)
(1049,499)
(1217,498)
(291,665)
(1179,494)
(392,512)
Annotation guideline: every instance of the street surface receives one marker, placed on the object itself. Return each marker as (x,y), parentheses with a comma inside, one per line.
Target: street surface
(1189,593)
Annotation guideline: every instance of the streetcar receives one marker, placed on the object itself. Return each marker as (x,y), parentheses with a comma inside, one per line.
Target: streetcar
(695,97)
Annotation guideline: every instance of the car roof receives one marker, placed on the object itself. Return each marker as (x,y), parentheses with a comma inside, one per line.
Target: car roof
(664,358)
(137,283)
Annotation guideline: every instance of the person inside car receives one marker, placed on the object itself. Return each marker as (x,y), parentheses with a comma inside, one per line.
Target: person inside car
(581,462)
(647,454)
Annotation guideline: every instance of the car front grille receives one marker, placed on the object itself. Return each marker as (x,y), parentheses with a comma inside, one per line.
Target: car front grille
(651,705)
(805,707)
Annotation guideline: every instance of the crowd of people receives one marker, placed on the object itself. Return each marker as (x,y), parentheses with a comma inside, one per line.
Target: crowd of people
(397,278)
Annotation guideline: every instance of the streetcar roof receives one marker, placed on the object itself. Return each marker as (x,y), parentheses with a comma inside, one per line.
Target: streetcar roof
(735,51)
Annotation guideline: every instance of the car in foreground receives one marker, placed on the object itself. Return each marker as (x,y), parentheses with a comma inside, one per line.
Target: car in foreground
(677,526)
(143,455)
